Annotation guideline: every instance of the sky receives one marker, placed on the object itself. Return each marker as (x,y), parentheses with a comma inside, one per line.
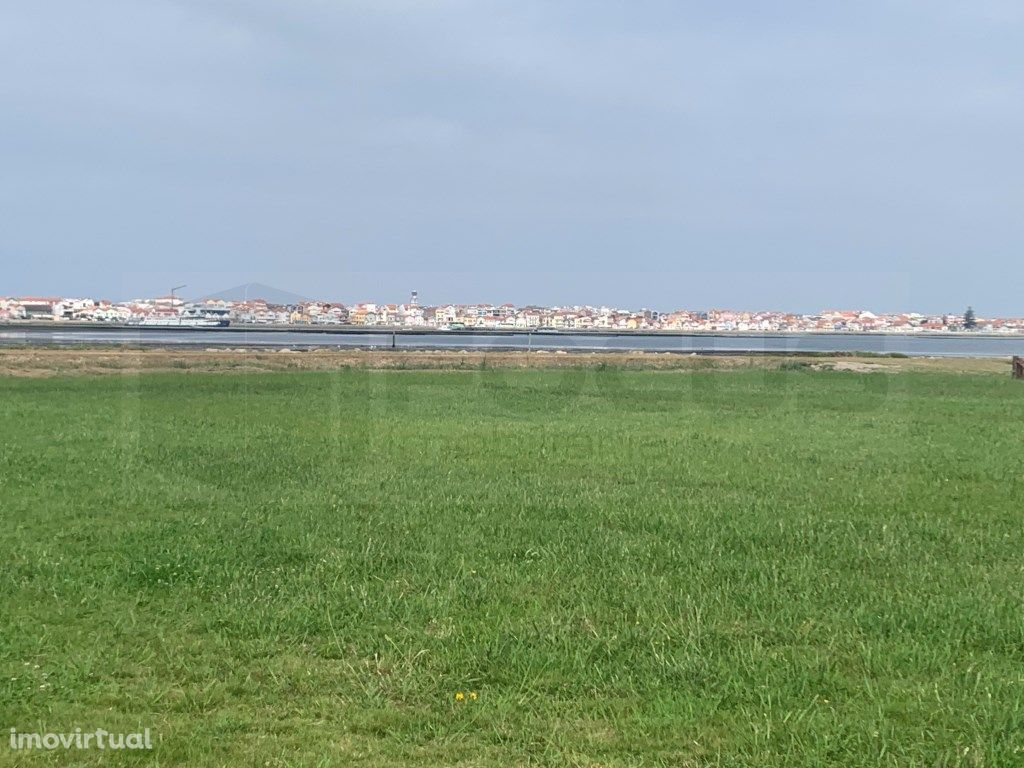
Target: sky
(796,155)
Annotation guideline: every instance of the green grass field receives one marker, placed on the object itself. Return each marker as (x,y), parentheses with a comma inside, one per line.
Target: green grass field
(749,568)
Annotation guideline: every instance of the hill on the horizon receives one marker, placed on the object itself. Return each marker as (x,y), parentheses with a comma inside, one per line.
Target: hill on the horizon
(250,291)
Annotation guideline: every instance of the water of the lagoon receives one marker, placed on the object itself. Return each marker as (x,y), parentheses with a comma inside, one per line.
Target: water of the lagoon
(962,345)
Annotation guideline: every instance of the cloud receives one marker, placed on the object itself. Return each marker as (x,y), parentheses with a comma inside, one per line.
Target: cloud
(566,134)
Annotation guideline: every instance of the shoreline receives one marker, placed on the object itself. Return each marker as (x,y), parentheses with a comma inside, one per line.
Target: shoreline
(32,361)
(387,330)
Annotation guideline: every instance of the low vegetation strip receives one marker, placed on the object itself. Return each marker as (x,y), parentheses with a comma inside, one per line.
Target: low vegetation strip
(770,567)
(42,361)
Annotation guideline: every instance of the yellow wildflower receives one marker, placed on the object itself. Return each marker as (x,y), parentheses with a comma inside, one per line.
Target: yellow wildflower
(459,696)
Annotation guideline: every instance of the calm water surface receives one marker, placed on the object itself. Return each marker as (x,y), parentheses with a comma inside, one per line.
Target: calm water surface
(917,345)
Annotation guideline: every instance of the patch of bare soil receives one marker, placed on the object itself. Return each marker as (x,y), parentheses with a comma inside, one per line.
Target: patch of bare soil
(851,365)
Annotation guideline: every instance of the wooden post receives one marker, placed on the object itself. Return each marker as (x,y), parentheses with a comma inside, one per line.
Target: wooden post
(1018,367)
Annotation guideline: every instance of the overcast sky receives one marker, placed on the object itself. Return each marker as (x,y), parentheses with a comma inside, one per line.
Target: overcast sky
(796,154)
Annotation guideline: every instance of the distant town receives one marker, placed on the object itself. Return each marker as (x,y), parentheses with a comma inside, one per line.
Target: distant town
(172,310)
